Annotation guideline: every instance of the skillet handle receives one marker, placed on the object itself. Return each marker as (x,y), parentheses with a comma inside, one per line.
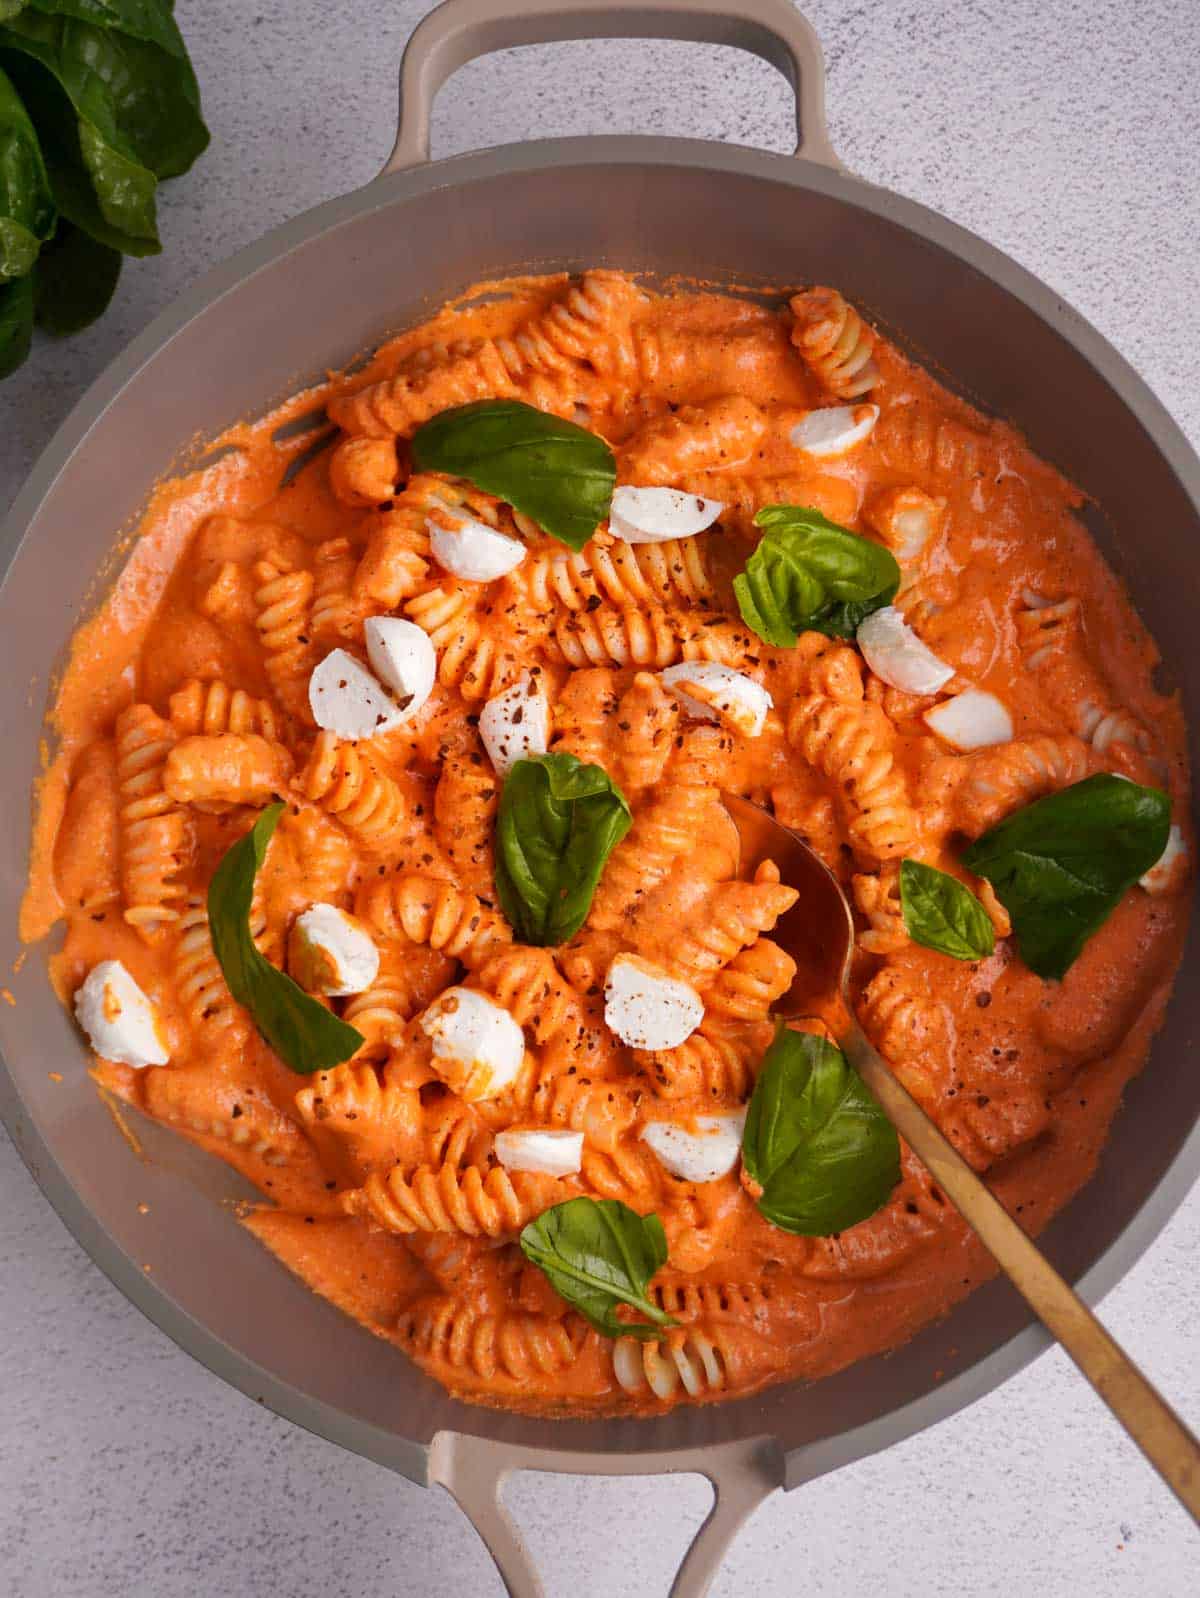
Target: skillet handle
(459,30)
(474,1469)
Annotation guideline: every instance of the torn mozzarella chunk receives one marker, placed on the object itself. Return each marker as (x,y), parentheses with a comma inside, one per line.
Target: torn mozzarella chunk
(714,692)
(402,656)
(701,1151)
(516,723)
(347,701)
(331,952)
(551,1153)
(895,653)
(654,515)
(477,1046)
(118,1018)
(835,429)
(473,550)
(973,719)
(648,1009)
(1170,866)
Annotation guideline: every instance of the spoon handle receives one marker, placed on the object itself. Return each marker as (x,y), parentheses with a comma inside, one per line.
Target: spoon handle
(1154,1426)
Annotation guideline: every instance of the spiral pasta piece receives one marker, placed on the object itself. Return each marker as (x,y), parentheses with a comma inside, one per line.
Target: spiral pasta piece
(283,600)
(1001,780)
(469,658)
(345,780)
(852,744)
(359,1121)
(336,619)
(752,981)
(583,723)
(717,436)
(877,897)
(445,1330)
(496,1203)
(214,707)
(156,837)
(834,342)
(675,572)
(363,471)
(215,771)
(464,810)
(397,559)
(427,910)
(717,1063)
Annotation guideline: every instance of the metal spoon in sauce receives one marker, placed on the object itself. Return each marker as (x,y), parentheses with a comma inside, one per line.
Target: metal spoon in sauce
(819,935)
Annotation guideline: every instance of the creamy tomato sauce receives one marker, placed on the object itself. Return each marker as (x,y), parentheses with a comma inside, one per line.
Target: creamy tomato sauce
(382,1187)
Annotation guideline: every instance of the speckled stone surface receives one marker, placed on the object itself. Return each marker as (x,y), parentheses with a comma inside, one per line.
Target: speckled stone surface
(1068,135)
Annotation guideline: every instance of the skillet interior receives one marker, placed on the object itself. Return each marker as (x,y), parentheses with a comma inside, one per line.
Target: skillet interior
(261,326)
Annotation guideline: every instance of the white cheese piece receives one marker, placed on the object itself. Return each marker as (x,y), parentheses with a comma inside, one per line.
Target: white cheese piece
(973,719)
(516,723)
(702,1151)
(654,515)
(1170,866)
(552,1153)
(714,692)
(473,550)
(477,1046)
(835,429)
(648,1009)
(402,656)
(347,701)
(331,952)
(895,653)
(118,1017)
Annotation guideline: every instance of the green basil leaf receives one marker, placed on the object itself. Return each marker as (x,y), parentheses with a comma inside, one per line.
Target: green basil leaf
(1061,865)
(551,470)
(10,8)
(74,282)
(942,913)
(807,574)
(150,20)
(304,1034)
(559,821)
(16,323)
(815,1140)
(596,1254)
(27,213)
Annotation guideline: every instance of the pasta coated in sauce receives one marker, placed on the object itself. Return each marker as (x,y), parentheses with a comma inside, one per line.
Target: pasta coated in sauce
(186,708)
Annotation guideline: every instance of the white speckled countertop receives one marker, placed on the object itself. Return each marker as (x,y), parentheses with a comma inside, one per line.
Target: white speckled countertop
(1067,134)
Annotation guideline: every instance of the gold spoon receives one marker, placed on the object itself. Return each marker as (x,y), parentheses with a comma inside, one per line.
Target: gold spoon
(819,935)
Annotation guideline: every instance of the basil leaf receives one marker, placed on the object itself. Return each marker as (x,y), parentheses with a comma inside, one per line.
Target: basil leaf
(559,821)
(596,1254)
(942,913)
(807,574)
(74,281)
(16,323)
(551,470)
(822,1150)
(1061,865)
(27,211)
(304,1034)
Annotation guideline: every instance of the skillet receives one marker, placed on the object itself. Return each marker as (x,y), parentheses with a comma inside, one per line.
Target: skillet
(651,205)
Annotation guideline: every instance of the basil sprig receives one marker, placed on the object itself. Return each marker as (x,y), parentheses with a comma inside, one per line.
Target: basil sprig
(823,1151)
(596,1254)
(559,821)
(807,574)
(1061,865)
(942,913)
(304,1034)
(551,470)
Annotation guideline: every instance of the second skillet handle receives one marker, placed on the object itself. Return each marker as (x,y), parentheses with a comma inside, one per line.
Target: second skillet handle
(474,1469)
(460,30)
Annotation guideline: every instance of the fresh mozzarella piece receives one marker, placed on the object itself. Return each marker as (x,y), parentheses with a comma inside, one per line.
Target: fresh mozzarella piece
(347,701)
(648,1009)
(118,1017)
(331,952)
(702,1151)
(895,653)
(403,658)
(718,693)
(477,1046)
(835,429)
(474,550)
(654,515)
(1170,866)
(971,720)
(516,723)
(552,1153)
